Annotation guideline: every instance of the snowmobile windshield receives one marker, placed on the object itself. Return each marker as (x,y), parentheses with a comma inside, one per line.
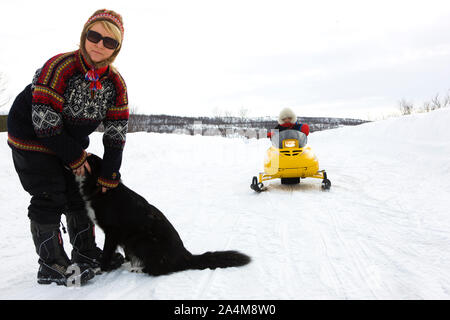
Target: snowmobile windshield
(279,136)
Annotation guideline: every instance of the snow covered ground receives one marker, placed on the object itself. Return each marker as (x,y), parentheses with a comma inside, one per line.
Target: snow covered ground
(382,232)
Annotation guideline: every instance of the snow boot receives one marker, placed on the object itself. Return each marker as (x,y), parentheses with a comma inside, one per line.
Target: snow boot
(82,237)
(55,266)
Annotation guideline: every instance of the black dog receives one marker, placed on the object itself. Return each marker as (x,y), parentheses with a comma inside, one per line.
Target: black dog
(149,240)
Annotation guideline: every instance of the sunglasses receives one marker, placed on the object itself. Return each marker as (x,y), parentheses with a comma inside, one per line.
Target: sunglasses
(108,42)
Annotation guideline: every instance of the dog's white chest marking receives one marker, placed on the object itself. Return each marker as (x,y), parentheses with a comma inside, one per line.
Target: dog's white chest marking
(79,179)
(90,211)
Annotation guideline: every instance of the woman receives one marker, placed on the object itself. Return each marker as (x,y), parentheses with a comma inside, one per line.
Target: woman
(288,120)
(48,128)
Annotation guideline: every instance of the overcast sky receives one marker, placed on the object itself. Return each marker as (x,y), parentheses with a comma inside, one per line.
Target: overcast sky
(322,58)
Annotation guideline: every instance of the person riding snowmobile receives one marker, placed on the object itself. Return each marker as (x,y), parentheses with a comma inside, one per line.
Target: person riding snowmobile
(288,120)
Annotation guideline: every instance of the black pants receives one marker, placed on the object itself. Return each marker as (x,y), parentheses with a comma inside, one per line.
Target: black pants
(52,187)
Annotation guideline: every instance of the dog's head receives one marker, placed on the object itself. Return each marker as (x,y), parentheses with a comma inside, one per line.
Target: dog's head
(88,183)
(95,163)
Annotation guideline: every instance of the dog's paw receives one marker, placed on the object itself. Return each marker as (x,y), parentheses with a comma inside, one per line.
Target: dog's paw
(132,268)
(115,262)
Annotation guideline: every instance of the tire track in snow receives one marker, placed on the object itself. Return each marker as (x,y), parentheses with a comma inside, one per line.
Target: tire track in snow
(362,271)
(330,269)
(281,235)
(271,243)
(281,198)
(311,191)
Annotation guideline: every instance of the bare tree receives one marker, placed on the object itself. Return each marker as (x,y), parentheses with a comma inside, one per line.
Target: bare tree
(446,100)
(405,107)
(133,120)
(436,103)
(228,114)
(243,112)
(217,112)
(426,106)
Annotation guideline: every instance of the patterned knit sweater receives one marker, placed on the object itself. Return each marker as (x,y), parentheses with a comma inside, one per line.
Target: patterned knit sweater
(63,111)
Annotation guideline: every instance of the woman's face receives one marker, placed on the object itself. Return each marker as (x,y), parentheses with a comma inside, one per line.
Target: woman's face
(97,51)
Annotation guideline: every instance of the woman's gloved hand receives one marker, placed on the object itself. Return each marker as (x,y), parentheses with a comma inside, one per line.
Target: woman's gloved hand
(81,170)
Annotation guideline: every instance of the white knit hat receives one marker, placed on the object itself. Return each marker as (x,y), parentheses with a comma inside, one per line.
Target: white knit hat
(287,113)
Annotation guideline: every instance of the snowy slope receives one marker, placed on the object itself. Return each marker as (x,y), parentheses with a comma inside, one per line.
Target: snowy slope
(382,232)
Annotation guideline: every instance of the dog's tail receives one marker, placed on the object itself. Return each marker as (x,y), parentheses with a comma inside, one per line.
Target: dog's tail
(218,259)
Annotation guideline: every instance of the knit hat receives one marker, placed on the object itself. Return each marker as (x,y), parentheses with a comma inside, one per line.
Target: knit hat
(287,113)
(102,15)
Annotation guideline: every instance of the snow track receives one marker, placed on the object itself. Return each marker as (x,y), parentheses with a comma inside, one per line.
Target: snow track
(381,232)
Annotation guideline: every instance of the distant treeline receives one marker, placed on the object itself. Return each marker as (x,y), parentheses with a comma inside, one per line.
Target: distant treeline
(224,126)
(3,119)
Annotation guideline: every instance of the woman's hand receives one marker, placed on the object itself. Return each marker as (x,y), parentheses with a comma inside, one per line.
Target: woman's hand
(81,171)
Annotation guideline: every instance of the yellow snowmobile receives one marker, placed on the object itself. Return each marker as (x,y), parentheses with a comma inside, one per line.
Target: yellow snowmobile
(290,159)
